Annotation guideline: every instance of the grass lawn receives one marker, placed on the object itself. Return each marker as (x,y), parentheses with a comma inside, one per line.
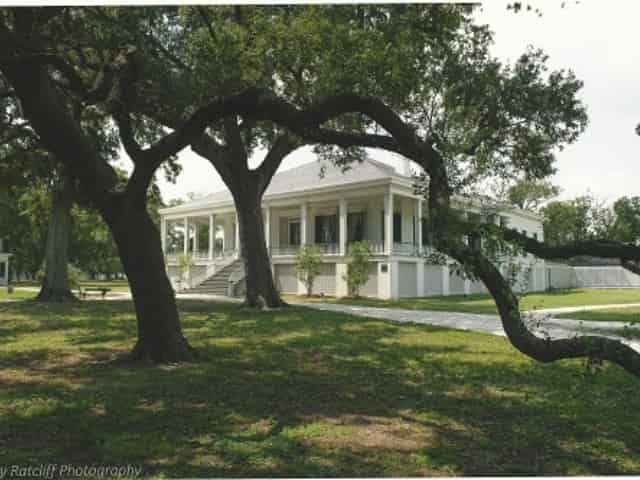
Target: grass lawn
(482,303)
(114,285)
(15,295)
(302,393)
(626,314)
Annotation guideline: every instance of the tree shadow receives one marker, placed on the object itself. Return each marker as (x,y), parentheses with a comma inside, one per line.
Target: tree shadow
(305,393)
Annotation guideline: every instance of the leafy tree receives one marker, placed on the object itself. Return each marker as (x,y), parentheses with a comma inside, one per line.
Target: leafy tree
(358,268)
(627,219)
(301,53)
(308,261)
(70,62)
(531,194)
(580,219)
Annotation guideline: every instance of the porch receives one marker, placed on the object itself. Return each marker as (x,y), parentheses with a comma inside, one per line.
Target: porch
(389,222)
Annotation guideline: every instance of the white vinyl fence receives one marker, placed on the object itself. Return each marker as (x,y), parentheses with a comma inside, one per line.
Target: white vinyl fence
(564,276)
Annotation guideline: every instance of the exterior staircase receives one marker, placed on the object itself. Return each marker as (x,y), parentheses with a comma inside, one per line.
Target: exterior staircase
(218,283)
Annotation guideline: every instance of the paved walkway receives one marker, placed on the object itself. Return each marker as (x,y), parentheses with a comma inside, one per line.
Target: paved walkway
(482,323)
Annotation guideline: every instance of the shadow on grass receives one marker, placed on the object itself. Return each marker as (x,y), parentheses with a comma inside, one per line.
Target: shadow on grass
(303,393)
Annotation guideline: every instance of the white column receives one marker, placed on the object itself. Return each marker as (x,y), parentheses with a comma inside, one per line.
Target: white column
(342,289)
(237,237)
(467,286)
(163,235)
(419,224)
(303,224)
(267,226)
(212,234)
(394,270)
(388,223)
(343,227)
(195,239)
(420,278)
(446,277)
(186,235)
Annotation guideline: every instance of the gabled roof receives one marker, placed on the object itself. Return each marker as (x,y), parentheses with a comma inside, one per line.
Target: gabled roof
(306,177)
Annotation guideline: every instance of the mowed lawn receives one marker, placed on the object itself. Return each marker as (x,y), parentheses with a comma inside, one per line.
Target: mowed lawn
(624,314)
(302,393)
(483,303)
(114,285)
(17,294)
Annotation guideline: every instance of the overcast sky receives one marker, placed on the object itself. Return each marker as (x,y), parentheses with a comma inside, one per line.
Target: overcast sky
(596,40)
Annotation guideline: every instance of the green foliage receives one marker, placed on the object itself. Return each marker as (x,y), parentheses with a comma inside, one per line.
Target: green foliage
(358,268)
(308,261)
(626,226)
(184,263)
(74,276)
(579,219)
(530,194)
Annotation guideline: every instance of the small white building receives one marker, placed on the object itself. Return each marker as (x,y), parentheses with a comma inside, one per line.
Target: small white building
(4,263)
(370,202)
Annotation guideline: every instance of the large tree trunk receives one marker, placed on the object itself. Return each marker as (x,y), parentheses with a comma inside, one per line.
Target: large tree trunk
(160,338)
(55,285)
(261,289)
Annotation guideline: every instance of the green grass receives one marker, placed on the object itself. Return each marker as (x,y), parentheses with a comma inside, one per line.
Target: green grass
(482,303)
(114,285)
(302,393)
(15,295)
(625,314)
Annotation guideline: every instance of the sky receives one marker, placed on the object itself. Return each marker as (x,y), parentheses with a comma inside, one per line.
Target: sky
(594,38)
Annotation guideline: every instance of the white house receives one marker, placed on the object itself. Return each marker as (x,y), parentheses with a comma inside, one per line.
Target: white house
(4,263)
(371,202)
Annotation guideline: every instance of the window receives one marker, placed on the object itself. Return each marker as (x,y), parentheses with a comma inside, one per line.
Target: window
(294,232)
(355,226)
(3,269)
(397,228)
(326,229)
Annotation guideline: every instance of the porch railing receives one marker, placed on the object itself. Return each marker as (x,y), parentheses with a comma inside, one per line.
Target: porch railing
(277,250)
(376,246)
(203,255)
(328,248)
(408,249)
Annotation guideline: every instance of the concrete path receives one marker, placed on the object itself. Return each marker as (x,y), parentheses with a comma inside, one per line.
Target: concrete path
(539,324)
(582,308)
(116,295)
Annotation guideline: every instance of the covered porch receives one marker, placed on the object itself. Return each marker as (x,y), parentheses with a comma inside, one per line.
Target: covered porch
(389,221)
(205,237)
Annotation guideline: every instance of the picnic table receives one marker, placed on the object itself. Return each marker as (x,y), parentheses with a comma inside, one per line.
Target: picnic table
(102,290)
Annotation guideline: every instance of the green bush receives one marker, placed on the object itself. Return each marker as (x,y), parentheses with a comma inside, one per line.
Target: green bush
(308,260)
(358,268)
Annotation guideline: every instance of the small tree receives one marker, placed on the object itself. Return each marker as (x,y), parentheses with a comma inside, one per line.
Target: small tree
(308,260)
(358,269)
(185,262)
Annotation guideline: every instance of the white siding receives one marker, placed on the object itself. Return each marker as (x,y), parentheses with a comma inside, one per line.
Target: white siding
(407,280)
(286,280)
(370,289)
(477,287)
(456,283)
(325,282)
(433,280)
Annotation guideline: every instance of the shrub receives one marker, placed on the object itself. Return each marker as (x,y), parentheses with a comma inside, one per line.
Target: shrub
(308,260)
(358,268)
